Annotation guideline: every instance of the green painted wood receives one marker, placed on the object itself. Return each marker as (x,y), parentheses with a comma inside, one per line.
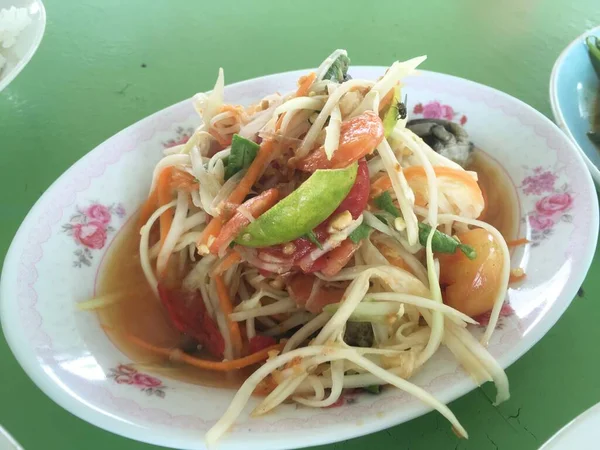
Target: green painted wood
(104,65)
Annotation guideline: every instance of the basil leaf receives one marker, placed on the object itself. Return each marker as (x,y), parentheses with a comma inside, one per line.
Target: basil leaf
(312,237)
(361,232)
(442,243)
(243,152)
(338,69)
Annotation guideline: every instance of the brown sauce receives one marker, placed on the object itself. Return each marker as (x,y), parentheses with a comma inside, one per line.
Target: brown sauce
(140,313)
(500,192)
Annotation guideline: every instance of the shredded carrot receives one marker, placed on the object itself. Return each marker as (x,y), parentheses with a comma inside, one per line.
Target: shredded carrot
(219,366)
(385,101)
(165,195)
(148,208)
(304,84)
(212,229)
(226,309)
(517,242)
(183,181)
(381,184)
(241,190)
(226,263)
(253,173)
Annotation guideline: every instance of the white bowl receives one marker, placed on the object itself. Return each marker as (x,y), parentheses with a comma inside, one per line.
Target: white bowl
(66,353)
(582,433)
(29,40)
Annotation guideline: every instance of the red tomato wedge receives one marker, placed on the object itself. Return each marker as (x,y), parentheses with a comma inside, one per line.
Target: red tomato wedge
(188,313)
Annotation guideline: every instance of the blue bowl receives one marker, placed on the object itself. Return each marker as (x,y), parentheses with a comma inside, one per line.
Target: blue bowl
(574,87)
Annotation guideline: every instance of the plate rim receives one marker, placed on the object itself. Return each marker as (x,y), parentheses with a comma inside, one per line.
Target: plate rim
(99,419)
(555,104)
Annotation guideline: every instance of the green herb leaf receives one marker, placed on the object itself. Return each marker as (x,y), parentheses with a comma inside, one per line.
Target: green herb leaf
(373,389)
(392,113)
(337,71)
(593,45)
(442,243)
(243,152)
(312,237)
(385,202)
(361,232)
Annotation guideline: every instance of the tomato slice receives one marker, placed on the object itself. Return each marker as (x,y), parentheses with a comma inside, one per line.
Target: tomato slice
(357,198)
(260,342)
(188,313)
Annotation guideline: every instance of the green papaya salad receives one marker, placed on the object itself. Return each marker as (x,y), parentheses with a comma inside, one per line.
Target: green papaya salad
(315,239)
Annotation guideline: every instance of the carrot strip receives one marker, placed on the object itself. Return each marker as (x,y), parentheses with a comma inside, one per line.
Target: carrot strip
(253,173)
(219,366)
(165,195)
(148,208)
(212,229)
(227,308)
(242,189)
(385,101)
(183,181)
(231,259)
(381,184)
(304,84)
(517,242)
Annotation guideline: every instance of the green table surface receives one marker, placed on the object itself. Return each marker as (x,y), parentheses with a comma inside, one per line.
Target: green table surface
(105,64)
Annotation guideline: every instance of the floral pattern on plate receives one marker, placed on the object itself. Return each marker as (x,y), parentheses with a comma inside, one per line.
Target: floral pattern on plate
(90,228)
(181,137)
(125,374)
(552,206)
(437,110)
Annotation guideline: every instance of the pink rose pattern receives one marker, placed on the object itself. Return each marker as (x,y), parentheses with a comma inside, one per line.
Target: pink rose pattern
(125,374)
(552,206)
(182,136)
(436,110)
(90,228)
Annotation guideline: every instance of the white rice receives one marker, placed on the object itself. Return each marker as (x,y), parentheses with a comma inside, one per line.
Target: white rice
(12,22)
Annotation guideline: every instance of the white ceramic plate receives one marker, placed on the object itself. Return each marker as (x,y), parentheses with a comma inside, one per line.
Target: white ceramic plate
(54,260)
(28,42)
(582,433)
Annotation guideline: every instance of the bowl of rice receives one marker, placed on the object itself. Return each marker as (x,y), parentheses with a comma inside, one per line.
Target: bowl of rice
(22,24)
